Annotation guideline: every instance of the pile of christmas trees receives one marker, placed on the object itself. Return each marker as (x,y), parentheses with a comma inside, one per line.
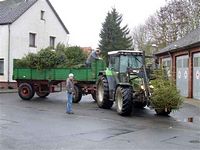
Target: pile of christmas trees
(47,58)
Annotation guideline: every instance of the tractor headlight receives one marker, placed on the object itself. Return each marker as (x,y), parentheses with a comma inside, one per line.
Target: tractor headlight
(151,86)
(142,87)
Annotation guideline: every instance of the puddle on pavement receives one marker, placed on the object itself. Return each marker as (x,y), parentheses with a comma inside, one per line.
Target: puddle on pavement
(5,121)
(190,141)
(28,107)
(42,110)
(194,141)
(190,119)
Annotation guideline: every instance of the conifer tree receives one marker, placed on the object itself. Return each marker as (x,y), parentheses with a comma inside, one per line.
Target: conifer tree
(113,36)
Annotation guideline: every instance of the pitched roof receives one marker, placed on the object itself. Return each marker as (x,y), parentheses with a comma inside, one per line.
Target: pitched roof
(191,39)
(11,10)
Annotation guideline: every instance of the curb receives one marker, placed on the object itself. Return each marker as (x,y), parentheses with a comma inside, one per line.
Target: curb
(8,91)
(193,102)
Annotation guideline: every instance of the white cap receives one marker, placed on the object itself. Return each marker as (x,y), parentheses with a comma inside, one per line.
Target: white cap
(71,75)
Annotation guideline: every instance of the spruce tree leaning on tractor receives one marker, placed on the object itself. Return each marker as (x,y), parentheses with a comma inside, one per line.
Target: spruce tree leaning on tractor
(165,97)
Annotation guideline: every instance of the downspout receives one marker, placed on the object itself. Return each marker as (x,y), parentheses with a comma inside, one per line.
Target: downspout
(8,55)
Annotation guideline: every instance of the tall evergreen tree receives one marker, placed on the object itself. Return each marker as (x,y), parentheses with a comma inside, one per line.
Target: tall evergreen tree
(113,36)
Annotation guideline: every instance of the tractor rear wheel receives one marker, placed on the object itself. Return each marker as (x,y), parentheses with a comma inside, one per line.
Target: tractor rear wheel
(26,91)
(77,95)
(123,98)
(103,93)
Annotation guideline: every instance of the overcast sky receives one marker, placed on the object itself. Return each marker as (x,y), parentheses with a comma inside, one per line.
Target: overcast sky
(84,18)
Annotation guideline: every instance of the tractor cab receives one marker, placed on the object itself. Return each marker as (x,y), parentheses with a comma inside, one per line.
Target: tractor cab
(126,63)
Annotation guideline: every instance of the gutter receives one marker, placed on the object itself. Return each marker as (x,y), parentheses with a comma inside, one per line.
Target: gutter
(8,54)
(193,45)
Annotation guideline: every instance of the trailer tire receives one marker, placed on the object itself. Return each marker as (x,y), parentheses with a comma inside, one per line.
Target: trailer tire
(42,94)
(162,112)
(123,98)
(94,96)
(26,91)
(102,95)
(77,95)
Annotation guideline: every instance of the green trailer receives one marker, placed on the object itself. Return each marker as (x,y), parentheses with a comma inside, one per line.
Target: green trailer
(46,81)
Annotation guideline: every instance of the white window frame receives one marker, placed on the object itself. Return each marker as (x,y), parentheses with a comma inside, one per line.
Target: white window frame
(52,41)
(32,39)
(42,15)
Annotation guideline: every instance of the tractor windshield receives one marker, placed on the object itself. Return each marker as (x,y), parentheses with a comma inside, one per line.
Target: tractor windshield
(131,61)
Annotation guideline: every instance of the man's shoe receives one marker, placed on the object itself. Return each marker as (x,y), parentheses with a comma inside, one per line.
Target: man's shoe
(70,112)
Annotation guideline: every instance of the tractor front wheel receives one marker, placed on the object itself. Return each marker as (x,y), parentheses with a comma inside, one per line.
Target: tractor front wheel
(102,95)
(26,91)
(123,98)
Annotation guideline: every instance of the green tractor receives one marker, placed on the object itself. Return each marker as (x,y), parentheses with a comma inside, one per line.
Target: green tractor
(125,82)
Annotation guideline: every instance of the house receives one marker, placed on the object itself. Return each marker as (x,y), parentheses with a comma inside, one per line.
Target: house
(182,59)
(27,26)
(87,50)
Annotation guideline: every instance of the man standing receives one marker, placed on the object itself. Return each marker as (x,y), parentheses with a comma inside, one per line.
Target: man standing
(70,92)
(93,56)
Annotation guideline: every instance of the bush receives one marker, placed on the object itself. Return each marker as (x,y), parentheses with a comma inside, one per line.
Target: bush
(165,95)
(47,58)
(75,56)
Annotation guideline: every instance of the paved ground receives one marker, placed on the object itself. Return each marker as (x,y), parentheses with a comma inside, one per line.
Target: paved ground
(43,124)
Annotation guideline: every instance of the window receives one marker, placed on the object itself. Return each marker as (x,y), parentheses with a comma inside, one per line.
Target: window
(197,62)
(32,37)
(1,66)
(179,63)
(42,15)
(52,42)
(114,63)
(185,63)
(167,66)
(131,61)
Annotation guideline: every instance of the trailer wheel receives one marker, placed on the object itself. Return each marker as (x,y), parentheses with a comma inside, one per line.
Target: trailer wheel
(77,95)
(42,94)
(163,112)
(94,96)
(123,98)
(103,93)
(26,91)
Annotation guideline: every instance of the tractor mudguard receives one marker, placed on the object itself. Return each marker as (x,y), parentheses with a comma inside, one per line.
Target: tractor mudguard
(111,82)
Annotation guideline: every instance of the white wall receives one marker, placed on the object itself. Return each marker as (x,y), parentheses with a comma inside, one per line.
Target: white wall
(30,22)
(4,49)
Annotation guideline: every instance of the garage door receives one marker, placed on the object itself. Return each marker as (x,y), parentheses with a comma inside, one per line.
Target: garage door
(196,76)
(182,74)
